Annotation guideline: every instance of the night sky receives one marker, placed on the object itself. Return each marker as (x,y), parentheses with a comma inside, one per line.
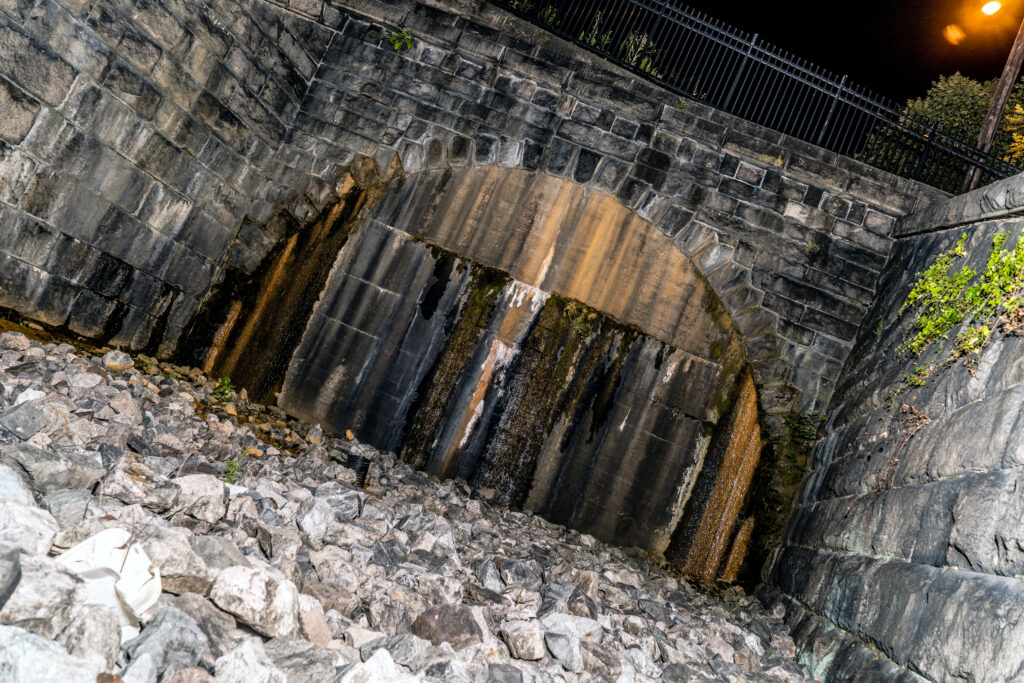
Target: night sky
(895,48)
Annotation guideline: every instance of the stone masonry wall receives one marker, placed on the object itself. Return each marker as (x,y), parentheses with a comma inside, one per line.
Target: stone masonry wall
(155,144)
(143,147)
(910,531)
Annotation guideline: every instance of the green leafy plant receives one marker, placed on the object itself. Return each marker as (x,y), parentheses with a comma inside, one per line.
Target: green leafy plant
(945,298)
(594,37)
(548,15)
(400,39)
(224,390)
(521,5)
(234,467)
(919,377)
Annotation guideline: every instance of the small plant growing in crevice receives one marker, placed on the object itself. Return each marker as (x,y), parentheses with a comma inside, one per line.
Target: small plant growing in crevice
(234,467)
(919,377)
(224,390)
(400,39)
(945,298)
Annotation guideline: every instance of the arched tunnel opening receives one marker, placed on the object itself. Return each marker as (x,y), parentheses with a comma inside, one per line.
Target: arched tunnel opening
(521,332)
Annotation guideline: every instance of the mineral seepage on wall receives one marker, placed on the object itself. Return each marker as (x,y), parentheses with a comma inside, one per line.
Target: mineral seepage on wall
(909,532)
(494,325)
(521,332)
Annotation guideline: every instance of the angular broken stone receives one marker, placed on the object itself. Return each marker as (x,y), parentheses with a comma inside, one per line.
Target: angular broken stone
(181,569)
(26,527)
(522,573)
(47,471)
(257,598)
(10,575)
(117,361)
(45,600)
(452,624)
(201,496)
(94,635)
(525,639)
(28,658)
(566,649)
(302,661)
(248,663)
(172,638)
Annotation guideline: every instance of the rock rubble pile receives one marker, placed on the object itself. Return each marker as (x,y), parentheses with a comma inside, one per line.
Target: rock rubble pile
(155,526)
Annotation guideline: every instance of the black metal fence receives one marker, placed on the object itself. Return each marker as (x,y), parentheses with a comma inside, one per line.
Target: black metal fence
(692,54)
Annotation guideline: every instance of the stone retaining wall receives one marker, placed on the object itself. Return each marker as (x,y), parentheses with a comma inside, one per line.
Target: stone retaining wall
(909,532)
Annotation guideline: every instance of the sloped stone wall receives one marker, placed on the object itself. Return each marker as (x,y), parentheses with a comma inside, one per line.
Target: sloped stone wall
(910,530)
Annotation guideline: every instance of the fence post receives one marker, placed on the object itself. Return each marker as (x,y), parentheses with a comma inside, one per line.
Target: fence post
(926,152)
(739,73)
(832,110)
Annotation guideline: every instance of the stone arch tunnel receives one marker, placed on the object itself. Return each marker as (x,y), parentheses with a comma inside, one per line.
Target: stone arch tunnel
(514,263)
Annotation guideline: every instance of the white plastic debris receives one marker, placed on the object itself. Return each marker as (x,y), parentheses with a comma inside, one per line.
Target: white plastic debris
(118,574)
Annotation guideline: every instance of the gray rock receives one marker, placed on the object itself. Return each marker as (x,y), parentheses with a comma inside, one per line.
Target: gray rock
(117,361)
(217,552)
(94,635)
(258,598)
(301,661)
(13,488)
(525,639)
(172,638)
(314,517)
(26,527)
(504,673)
(27,658)
(131,481)
(141,670)
(527,574)
(248,663)
(45,600)
(405,649)
(566,649)
(218,626)
(346,501)
(580,627)
(10,575)
(452,624)
(379,667)
(487,574)
(202,496)
(47,471)
(181,569)
(190,674)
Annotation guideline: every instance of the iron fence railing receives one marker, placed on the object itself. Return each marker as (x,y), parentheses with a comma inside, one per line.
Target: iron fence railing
(694,55)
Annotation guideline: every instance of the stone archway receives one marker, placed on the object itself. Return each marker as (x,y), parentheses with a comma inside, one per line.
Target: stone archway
(523,332)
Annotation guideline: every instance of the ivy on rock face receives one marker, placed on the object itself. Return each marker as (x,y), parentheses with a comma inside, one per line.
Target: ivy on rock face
(945,298)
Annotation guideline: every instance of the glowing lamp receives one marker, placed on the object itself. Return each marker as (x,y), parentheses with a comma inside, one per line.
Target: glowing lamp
(991,8)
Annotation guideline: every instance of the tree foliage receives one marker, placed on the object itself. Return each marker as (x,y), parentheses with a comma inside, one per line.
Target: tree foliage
(959,104)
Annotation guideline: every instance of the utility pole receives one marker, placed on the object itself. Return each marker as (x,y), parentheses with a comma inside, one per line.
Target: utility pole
(995,109)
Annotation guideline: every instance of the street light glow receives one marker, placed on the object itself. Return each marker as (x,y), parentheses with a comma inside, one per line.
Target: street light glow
(992,7)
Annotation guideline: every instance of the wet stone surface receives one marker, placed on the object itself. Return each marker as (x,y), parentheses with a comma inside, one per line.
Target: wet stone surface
(274,566)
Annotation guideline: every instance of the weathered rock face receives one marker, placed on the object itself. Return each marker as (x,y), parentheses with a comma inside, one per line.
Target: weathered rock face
(908,533)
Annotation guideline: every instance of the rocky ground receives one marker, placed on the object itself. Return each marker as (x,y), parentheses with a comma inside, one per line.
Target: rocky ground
(154,525)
